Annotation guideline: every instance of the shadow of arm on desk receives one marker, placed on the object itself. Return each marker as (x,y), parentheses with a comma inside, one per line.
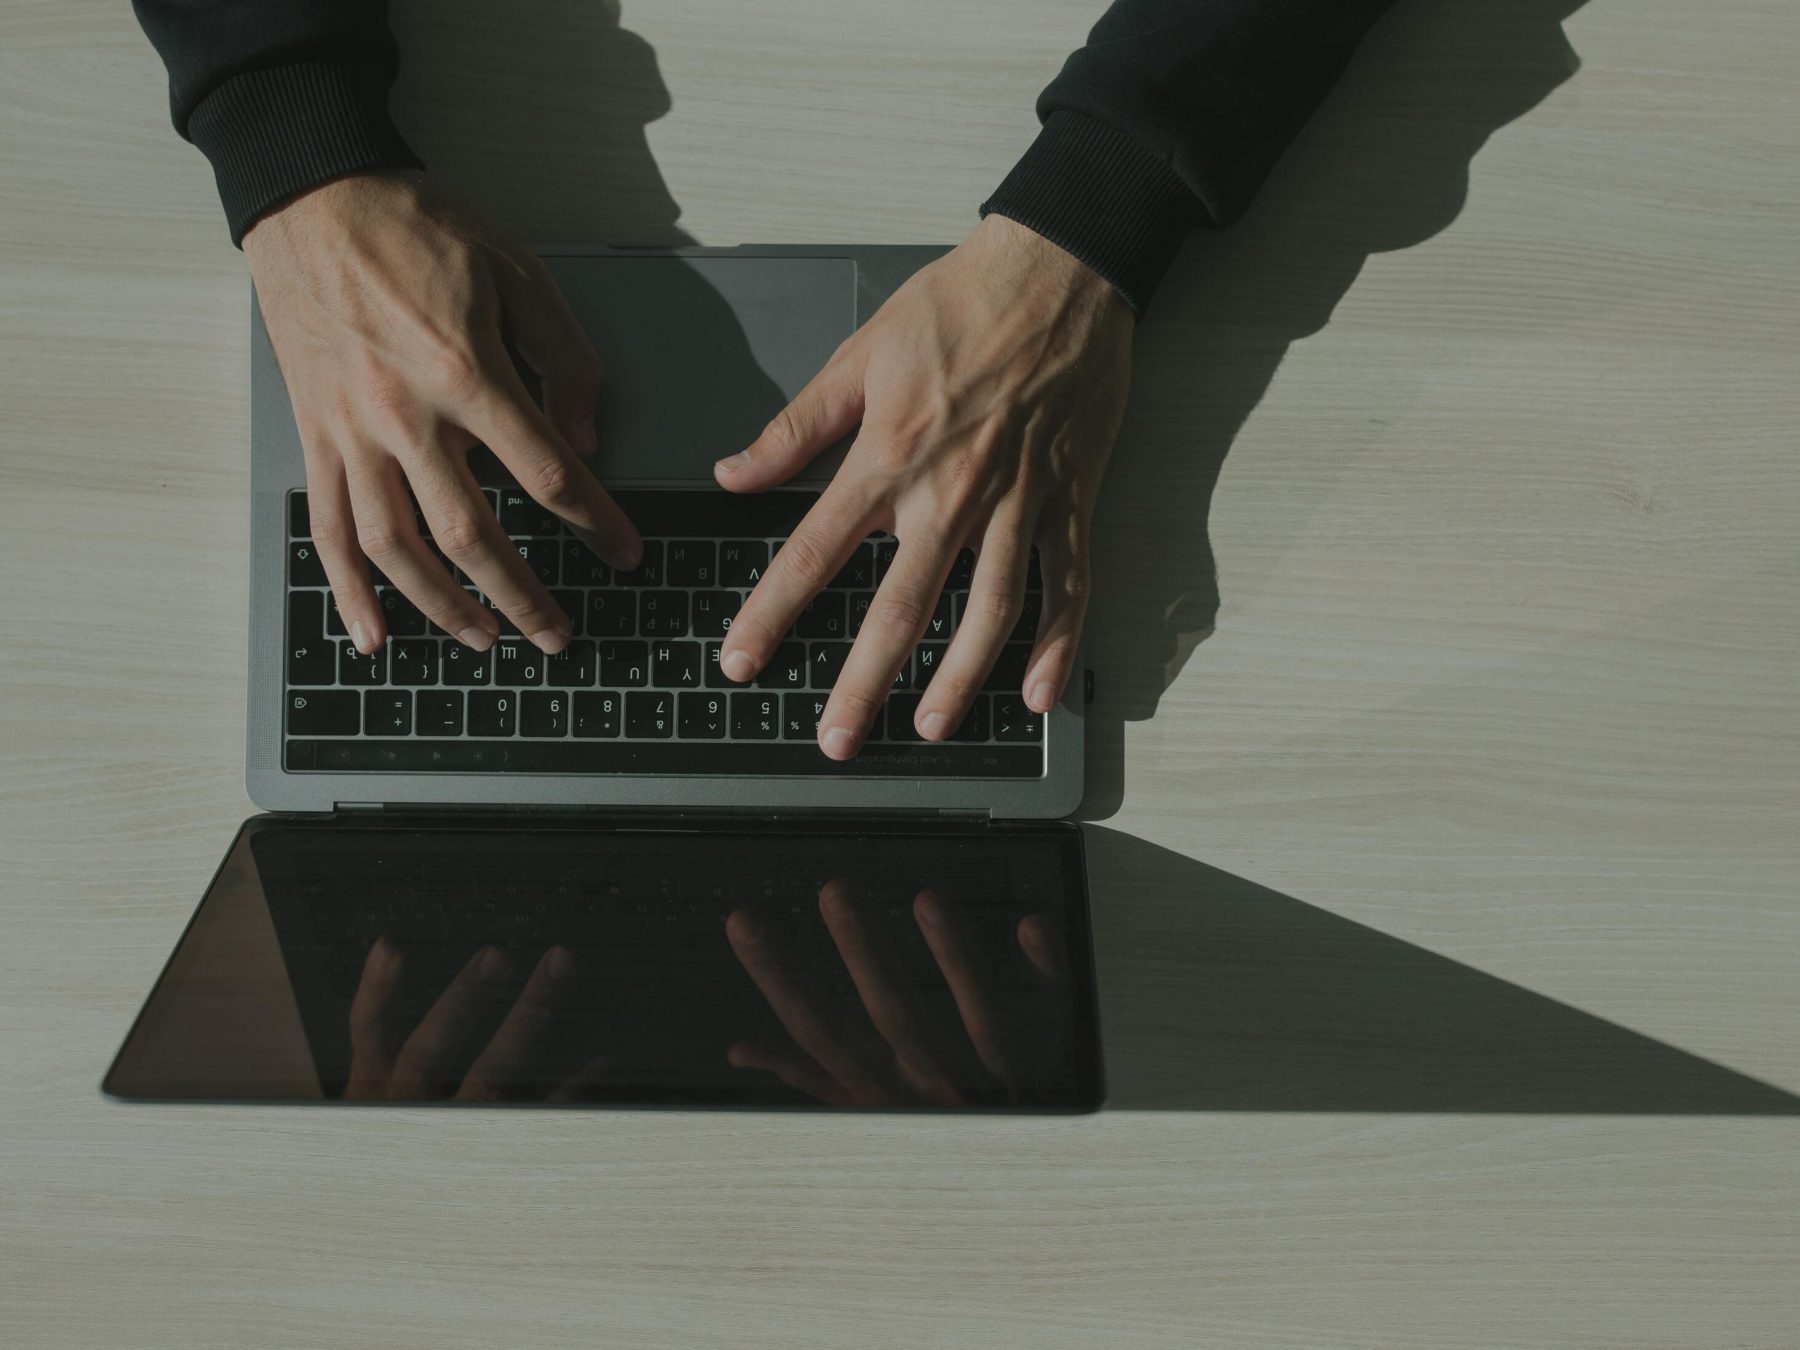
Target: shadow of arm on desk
(1384,165)
(1221,995)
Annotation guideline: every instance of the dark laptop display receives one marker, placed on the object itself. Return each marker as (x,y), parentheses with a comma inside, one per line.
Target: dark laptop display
(492,960)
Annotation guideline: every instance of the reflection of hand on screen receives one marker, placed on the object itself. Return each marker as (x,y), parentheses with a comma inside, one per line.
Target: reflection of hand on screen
(426,1063)
(995,1050)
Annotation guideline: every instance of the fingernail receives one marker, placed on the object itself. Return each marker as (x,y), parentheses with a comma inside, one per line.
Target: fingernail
(737,666)
(839,743)
(360,636)
(586,442)
(386,954)
(929,915)
(478,638)
(935,726)
(1043,696)
(627,558)
(493,964)
(550,641)
(562,963)
(732,463)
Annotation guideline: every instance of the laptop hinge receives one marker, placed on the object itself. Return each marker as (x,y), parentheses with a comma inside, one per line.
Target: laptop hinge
(738,814)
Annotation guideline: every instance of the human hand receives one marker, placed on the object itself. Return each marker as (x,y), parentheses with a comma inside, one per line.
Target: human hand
(989,389)
(1004,1043)
(389,309)
(432,1061)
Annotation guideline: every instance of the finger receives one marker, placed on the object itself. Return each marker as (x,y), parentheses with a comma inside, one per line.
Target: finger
(996,599)
(950,948)
(505,420)
(579,1085)
(422,1067)
(793,1067)
(892,1013)
(504,1063)
(368,1019)
(390,539)
(334,528)
(812,1031)
(465,528)
(1063,556)
(1041,939)
(820,544)
(820,415)
(537,317)
(891,630)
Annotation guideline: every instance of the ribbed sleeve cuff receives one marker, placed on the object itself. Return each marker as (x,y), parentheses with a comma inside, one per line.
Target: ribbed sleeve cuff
(1097,193)
(272,134)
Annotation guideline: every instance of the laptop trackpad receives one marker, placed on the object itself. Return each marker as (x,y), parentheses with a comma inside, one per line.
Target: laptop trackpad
(701,352)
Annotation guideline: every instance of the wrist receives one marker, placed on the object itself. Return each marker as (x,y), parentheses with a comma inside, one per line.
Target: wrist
(1022,253)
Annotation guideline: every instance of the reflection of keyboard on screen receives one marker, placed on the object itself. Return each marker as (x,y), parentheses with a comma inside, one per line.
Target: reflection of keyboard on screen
(638,689)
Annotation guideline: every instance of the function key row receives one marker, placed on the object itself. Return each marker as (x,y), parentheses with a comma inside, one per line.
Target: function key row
(606,714)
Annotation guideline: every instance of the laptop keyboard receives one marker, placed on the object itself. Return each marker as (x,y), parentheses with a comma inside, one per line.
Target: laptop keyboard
(638,689)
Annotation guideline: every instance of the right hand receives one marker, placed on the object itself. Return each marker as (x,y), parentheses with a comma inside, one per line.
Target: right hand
(388,307)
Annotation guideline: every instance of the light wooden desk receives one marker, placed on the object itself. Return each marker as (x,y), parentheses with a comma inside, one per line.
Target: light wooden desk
(1494,735)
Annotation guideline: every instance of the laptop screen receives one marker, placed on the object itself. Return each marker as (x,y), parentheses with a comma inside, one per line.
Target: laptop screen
(569,962)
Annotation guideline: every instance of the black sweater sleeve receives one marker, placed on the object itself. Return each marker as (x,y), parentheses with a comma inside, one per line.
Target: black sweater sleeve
(280,95)
(1171,116)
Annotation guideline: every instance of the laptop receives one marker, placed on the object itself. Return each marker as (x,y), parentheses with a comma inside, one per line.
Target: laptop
(731,918)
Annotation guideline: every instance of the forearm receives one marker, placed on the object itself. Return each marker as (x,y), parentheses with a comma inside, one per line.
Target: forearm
(280,95)
(1170,117)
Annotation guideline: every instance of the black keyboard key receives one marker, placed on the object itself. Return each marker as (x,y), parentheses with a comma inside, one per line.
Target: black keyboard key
(800,714)
(597,714)
(1013,721)
(493,712)
(702,717)
(940,625)
(1032,611)
(903,678)
(649,572)
(440,712)
(1034,574)
(310,659)
(401,615)
(517,664)
(1008,675)
(334,622)
(663,614)
(692,562)
(824,661)
(324,712)
(859,610)
(413,661)
(299,522)
(582,567)
(859,573)
(574,667)
(974,725)
(355,668)
(650,714)
(611,614)
(926,660)
(823,618)
(304,567)
(742,562)
(543,557)
(901,710)
(711,612)
(571,604)
(675,665)
(544,713)
(715,678)
(962,571)
(755,717)
(786,669)
(519,514)
(387,712)
(464,665)
(885,552)
(624,665)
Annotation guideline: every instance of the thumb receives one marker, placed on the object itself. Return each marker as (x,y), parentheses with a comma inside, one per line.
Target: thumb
(551,339)
(826,410)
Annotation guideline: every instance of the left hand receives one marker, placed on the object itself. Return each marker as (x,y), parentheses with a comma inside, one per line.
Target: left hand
(989,389)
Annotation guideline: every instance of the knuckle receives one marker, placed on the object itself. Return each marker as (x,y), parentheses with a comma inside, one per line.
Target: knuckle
(955,691)
(807,557)
(552,483)
(860,706)
(1001,608)
(453,371)
(331,533)
(783,433)
(903,611)
(380,539)
(460,534)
